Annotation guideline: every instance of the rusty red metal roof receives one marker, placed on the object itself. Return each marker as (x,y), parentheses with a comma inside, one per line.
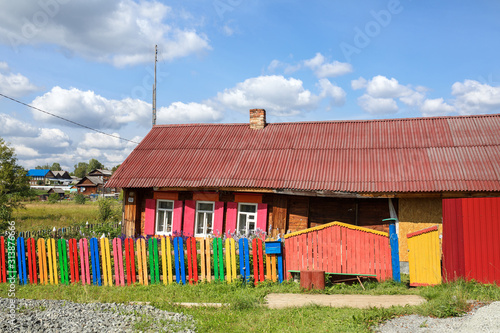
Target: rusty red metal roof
(460,153)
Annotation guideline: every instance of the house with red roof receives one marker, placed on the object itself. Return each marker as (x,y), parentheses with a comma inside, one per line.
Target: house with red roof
(204,179)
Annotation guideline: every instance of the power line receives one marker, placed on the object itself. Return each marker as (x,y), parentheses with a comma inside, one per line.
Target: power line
(69,121)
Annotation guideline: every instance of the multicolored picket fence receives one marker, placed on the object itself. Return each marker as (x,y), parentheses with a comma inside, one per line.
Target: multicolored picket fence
(339,249)
(119,263)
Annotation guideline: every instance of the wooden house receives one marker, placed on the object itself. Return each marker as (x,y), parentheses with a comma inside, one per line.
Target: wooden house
(59,191)
(284,177)
(40,176)
(90,185)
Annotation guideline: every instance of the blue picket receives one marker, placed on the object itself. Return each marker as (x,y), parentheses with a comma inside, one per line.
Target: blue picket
(244,259)
(280,264)
(96,267)
(180,271)
(393,236)
(21,260)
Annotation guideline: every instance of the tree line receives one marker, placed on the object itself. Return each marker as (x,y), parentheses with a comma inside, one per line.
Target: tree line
(81,169)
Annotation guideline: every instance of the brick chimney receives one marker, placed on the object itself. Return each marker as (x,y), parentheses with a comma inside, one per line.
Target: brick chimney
(257,118)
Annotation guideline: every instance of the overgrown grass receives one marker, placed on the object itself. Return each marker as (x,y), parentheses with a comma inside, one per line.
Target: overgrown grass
(45,215)
(244,313)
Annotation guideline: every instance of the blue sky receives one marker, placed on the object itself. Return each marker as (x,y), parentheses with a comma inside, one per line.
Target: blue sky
(92,62)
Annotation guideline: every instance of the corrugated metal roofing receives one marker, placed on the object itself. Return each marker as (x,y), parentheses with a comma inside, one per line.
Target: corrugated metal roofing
(38,172)
(395,155)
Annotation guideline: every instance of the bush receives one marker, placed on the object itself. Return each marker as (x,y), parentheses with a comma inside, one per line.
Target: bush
(107,212)
(54,197)
(80,199)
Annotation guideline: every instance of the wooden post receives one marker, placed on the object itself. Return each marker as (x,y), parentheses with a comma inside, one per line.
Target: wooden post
(396,274)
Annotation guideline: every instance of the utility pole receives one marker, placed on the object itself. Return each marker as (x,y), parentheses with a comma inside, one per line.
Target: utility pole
(154,87)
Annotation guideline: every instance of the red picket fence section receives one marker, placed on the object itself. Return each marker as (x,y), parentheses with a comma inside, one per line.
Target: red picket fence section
(258,261)
(32,261)
(3,272)
(471,230)
(339,248)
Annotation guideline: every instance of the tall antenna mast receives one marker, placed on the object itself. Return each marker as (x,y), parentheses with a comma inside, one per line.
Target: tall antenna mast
(154,88)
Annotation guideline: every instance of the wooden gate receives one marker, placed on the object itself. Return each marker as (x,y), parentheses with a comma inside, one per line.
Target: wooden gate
(424,257)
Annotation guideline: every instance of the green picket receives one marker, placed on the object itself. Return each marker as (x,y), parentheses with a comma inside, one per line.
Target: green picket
(151,256)
(218,260)
(221,259)
(11,260)
(153,260)
(157,269)
(63,261)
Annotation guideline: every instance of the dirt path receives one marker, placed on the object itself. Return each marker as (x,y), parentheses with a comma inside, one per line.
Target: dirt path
(278,301)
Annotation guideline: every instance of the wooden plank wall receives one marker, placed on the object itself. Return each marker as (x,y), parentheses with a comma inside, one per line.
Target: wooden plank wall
(298,210)
(280,214)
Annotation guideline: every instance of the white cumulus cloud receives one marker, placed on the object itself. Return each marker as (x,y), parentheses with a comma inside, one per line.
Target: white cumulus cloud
(472,97)
(14,85)
(278,95)
(90,109)
(327,69)
(436,107)
(375,105)
(179,113)
(120,32)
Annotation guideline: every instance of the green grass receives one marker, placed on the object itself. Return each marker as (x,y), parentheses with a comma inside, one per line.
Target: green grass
(244,313)
(44,215)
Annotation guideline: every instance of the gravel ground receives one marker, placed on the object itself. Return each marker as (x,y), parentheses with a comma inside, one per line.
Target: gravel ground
(484,319)
(66,316)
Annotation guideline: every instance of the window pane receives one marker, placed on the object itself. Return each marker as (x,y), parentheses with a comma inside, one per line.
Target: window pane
(160,222)
(168,227)
(166,205)
(206,206)
(209,222)
(251,226)
(248,208)
(242,227)
(199,227)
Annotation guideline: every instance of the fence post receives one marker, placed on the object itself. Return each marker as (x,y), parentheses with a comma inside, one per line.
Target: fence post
(393,236)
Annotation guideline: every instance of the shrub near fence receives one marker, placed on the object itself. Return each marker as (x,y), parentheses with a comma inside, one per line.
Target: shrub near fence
(65,262)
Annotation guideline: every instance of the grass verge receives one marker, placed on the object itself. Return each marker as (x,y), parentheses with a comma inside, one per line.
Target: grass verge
(244,314)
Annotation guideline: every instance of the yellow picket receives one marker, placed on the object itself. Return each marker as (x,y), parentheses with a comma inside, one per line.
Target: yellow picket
(206,271)
(166,259)
(104,263)
(144,262)
(108,256)
(268,267)
(203,262)
(230,260)
(139,261)
(233,257)
(42,261)
(51,245)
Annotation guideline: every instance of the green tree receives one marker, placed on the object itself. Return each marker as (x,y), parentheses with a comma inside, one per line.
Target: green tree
(80,169)
(55,167)
(54,197)
(42,167)
(14,183)
(94,164)
(115,168)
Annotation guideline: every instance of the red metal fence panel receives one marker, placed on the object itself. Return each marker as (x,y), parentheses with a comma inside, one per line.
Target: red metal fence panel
(471,233)
(341,249)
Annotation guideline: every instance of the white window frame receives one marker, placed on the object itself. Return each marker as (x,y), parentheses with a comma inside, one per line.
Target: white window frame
(205,233)
(247,229)
(164,225)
